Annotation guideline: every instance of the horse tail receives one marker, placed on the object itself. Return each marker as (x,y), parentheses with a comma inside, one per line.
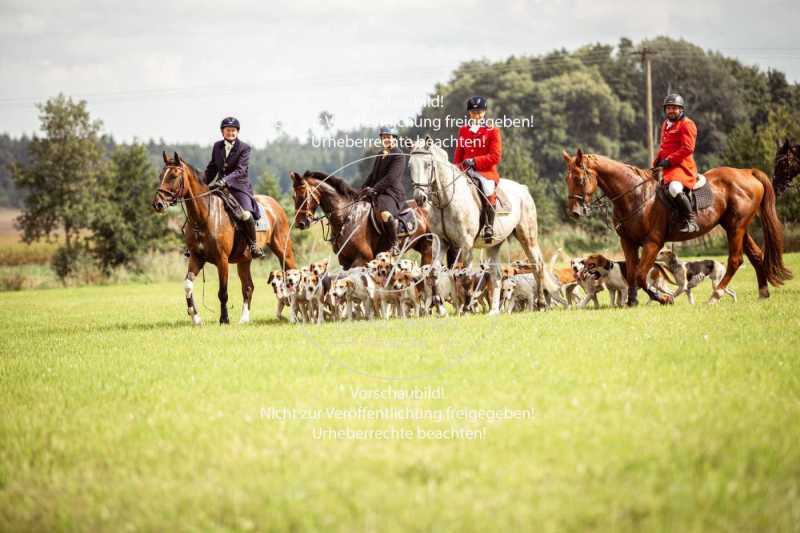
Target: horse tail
(774,268)
(553,260)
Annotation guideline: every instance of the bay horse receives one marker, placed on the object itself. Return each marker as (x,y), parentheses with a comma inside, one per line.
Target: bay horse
(643,221)
(787,165)
(209,234)
(453,207)
(354,239)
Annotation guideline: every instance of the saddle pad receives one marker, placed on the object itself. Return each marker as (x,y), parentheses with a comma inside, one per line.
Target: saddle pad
(703,195)
(262,224)
(700,197)
(407,222)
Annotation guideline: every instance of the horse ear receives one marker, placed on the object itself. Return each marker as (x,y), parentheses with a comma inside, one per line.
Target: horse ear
(567,157)
(296,178)
(163,153)
(579,157)
(177,159)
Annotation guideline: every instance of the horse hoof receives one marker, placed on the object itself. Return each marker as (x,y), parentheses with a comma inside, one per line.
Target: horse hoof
(763,293)
(196,320)
(494,312)
(666,299)
(633,303)
(224,322)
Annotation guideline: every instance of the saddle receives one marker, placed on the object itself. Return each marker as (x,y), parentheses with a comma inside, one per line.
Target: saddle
(231,206)
(406,222)
(503,205)
(701,196)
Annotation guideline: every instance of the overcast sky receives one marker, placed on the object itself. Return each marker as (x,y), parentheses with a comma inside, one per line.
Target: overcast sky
(174,69)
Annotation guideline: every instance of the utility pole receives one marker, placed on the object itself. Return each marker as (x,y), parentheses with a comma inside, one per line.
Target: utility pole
(646,53)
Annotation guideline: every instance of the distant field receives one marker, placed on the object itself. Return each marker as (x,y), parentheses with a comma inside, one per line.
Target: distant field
(117,415)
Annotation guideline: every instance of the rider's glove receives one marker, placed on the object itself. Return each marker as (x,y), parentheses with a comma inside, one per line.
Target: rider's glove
(664,163)
(366,192)
(469,163)
(215,185)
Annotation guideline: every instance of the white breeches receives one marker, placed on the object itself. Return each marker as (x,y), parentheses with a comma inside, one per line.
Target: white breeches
(675,188)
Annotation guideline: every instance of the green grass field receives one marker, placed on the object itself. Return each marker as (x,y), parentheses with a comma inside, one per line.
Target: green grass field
(117,415)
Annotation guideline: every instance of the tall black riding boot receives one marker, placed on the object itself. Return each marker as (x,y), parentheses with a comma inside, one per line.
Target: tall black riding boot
(689,225)
(249,227)
(390,227)
(488,220)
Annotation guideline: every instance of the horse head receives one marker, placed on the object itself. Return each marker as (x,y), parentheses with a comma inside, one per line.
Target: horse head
(171,183)
(306,200)
(787,164)
(581,184)
(424,157)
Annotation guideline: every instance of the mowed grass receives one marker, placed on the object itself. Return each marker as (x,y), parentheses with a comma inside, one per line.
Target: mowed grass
(117,415)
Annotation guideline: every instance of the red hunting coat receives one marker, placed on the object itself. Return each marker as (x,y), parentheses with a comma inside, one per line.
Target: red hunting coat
(677,146)
(484,146)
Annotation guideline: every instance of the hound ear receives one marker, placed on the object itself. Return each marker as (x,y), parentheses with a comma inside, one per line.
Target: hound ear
(579,157)
(567,157)
(785,146)
(271,277)
(428,141)
(177,159)
(166,161)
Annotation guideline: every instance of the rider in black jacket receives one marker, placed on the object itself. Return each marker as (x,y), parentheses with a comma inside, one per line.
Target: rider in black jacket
(384,185)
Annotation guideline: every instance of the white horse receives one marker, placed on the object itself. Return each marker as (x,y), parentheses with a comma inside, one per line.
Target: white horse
(451,200)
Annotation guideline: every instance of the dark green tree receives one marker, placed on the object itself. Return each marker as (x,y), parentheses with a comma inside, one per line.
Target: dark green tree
(61,177)
(124,225)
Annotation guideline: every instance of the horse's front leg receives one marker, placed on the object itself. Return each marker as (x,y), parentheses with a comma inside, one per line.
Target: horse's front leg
(195,265)
(649,252)
(248,287)
(631,251)
(222,269)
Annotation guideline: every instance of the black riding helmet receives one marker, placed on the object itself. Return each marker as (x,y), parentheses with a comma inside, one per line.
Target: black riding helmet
(674,99)
(476,103)
(229,122)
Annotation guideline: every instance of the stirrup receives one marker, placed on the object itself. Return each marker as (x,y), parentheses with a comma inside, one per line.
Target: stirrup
(690,226)
(256,251)
(488,233)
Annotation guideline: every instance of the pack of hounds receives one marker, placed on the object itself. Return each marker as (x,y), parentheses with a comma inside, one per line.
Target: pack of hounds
(388,287)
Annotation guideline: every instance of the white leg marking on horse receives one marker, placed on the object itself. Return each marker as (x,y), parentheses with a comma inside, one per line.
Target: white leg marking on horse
(245,314)
(188,287)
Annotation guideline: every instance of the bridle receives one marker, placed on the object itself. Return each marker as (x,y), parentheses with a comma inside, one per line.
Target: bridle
(311,194)
(178,196)
(587,206)
(172,196)
(433,180)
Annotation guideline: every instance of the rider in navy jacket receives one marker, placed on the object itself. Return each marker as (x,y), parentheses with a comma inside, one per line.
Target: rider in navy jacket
(229,161)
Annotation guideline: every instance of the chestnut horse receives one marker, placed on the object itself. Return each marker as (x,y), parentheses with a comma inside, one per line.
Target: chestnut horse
(353,237)
(209,234)
(642,221)
(787,165)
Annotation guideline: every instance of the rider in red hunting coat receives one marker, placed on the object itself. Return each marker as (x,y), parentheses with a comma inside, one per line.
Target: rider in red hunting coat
(678,137)
(478,152)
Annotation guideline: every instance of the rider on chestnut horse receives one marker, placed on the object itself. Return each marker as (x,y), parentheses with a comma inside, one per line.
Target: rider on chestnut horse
(229,161)
(678,136)
(478,152)
(384,185)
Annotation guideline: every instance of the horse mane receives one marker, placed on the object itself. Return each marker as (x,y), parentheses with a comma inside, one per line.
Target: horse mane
(338,184)
(647,174)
